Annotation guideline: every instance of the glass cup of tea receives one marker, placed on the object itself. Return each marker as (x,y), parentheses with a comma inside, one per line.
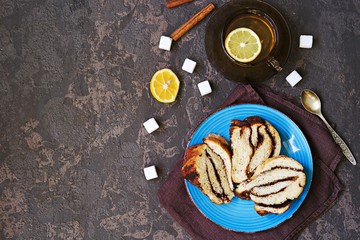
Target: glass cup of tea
(269,26)
(264,28)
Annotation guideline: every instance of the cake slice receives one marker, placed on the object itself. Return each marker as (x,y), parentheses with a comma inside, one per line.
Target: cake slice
(196,170)
(242,150)
(226,192)
(207,166)
(263,149)
(221,147)
(273,185)
(252,142)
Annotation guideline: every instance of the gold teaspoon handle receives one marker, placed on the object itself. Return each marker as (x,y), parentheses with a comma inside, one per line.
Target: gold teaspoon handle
(345,149)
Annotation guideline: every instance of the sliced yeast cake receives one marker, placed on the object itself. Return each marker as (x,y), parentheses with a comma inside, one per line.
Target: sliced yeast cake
(208,166)
(252,142)
(221,148)
(273,185)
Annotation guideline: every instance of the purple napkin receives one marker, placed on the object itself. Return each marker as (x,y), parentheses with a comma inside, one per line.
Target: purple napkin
(323,192)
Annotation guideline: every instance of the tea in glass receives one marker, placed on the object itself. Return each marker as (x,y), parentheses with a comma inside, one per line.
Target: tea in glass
(259,23)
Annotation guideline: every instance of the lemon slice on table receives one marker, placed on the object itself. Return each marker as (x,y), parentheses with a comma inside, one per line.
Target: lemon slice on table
(164,85)
(243,44)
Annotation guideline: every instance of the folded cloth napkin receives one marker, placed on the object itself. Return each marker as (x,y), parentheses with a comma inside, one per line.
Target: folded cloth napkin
(323,192)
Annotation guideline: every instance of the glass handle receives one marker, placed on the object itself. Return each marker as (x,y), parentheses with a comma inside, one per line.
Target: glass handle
(272,62)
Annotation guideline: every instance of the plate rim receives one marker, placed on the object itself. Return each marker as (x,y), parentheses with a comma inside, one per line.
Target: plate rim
(306,191)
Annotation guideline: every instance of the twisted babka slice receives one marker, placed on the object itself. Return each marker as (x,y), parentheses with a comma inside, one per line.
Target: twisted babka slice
(252,142)
(208,166)
(273,185)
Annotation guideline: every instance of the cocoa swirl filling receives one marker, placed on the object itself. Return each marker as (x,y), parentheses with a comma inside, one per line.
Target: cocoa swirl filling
(265,195)
(284,204)
(271,138)
(222,195)
(280,180)
(284,168)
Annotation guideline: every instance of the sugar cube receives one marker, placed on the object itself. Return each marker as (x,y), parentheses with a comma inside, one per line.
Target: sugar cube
(150,172)
(293,78)
(189,65)
(151,125)
(204,88)
(306,41)
(165,43)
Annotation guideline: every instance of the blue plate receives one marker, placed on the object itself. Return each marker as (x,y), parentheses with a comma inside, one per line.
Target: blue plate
(239,215)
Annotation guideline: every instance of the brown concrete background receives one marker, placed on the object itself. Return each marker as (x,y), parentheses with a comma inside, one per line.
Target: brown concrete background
(74,92)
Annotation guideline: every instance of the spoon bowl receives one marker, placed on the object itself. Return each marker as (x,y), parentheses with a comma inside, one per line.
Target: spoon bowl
(311,102)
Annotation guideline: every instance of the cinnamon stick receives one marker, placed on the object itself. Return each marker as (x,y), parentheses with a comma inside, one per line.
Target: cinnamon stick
(192,22)
(175,3)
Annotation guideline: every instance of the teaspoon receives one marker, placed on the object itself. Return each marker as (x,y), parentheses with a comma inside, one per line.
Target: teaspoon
(311,102)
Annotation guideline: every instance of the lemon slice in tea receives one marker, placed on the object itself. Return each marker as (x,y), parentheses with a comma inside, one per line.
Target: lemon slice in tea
(164,86)
(243,44)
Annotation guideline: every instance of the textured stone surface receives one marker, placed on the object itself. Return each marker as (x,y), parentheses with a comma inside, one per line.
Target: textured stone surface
(74,92)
